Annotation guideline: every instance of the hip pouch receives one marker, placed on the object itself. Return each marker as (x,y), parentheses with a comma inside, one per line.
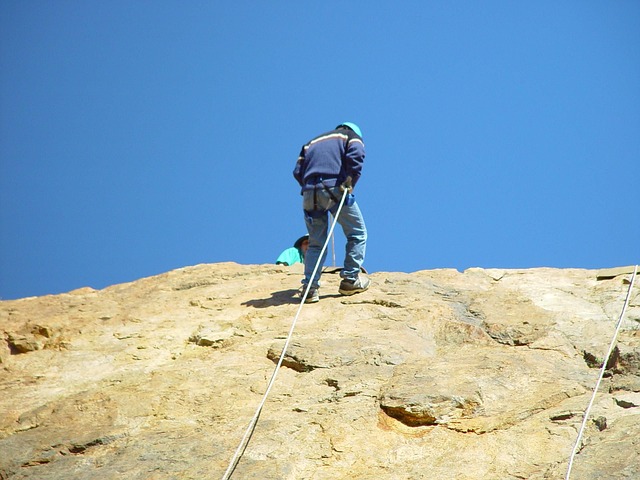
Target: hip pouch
(321,199)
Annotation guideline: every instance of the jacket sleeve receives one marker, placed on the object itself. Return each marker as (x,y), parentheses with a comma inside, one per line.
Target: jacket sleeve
(298,171)
(354,159)
(290,256)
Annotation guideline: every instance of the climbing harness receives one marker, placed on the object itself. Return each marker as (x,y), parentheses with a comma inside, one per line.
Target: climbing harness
(602,370)
(252,424)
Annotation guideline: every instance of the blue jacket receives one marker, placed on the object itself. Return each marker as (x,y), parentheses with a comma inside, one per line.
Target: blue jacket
(330,158)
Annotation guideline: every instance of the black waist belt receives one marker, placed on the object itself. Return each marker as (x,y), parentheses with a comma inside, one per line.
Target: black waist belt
(315,179)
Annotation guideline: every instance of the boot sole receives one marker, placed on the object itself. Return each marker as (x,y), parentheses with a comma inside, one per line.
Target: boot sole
(352,292)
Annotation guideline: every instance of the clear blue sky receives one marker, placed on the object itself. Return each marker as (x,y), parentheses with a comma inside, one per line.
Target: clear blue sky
(137,137)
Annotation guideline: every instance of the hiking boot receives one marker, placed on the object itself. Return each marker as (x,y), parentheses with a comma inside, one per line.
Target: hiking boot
(312,297)
(349,287)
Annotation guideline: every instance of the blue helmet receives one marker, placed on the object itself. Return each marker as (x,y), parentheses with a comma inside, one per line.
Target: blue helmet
(352,126)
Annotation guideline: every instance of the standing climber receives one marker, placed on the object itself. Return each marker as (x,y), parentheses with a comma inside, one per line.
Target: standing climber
(329,165)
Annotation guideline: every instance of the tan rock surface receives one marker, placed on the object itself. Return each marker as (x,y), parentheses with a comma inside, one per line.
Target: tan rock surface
(436,374)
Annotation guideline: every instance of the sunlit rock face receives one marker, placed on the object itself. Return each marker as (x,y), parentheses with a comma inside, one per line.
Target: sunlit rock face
(438,374)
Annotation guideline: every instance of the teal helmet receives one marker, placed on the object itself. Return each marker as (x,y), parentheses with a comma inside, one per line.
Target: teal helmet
(352,126)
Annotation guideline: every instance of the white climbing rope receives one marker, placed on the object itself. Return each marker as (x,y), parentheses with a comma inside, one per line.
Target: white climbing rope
(602,370)
(333,250)
(252,425)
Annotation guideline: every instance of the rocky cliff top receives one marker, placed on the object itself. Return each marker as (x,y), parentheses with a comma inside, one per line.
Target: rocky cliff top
(435,374)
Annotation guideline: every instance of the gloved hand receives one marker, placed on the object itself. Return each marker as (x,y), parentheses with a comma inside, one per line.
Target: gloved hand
(346,185)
